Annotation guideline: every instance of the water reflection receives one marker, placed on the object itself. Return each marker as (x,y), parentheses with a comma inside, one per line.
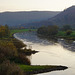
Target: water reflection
(59,52)
(49,39)
(31,37)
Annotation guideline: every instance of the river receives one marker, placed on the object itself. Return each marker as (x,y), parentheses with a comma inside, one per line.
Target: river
(50,52)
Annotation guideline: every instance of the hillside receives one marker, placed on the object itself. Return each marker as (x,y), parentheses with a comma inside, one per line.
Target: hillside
(66,17)
(17,18)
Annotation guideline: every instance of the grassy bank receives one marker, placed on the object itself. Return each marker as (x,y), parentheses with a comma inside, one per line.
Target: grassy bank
(35,69)
(62,34)
(20,30)
(54,31)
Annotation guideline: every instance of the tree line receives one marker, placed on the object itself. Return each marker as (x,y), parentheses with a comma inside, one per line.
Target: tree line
(52,30)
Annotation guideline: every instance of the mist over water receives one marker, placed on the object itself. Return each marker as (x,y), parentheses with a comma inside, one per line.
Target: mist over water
(50,52)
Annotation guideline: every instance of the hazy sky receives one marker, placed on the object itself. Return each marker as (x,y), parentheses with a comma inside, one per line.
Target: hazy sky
(33,5)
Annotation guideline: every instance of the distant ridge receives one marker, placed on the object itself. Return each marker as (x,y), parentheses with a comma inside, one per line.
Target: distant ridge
(66,17)
(24,17)
(39,18)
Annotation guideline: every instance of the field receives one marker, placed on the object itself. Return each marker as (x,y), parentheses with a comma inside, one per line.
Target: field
(20,30)
(62,34)
(35,69)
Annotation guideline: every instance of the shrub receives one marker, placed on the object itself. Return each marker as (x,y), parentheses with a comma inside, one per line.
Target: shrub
(8,48)
(66,27)
(68,32)
(7,68)
(19,44)
(23,59)
(48,31)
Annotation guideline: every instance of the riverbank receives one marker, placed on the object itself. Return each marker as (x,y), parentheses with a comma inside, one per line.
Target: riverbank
(36,69)
(54,31)
(18,56)
(62,34)
(20,31)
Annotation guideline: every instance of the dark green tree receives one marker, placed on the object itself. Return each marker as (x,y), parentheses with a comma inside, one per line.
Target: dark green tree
(42,30)
(48,31)
(66,27)
(68,32)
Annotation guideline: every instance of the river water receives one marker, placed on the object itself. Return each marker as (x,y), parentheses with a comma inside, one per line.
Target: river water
(50,52)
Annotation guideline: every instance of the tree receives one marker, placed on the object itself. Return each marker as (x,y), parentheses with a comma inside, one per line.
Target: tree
(66,27)
(42,30)
(4,31)
(48,31)
(68,32)
(52,30)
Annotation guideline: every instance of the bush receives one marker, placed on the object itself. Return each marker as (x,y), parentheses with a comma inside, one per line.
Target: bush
(7,68)
(19,44)
(8,48)
(68,32)
(66,27)
(48,31)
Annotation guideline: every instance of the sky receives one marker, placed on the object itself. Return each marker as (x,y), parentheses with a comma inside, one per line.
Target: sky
(35,5)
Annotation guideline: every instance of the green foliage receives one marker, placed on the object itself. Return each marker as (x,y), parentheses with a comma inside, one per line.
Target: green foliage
(52,30)
(42,30)
(43,68)
(32,68)
(68,32)
(48,31)
(66,27)
(61,33)
(73,34)
(20,30)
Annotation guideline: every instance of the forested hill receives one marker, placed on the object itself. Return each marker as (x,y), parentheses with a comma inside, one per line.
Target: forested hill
(65,17)
(17,18)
